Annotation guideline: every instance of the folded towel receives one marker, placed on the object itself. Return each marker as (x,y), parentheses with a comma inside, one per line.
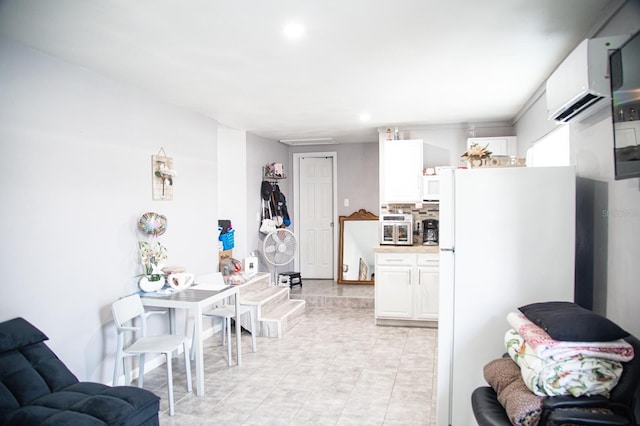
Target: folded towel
(522,407)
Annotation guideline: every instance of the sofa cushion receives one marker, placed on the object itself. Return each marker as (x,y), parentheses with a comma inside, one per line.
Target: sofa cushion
(30,372)
(18,332)
(566,321)
(89,403)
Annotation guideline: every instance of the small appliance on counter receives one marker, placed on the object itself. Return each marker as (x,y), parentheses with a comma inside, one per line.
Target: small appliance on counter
(430,232)
(396,229)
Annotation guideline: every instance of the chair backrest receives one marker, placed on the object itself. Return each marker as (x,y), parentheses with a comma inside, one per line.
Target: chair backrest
(126,309)
(629,384)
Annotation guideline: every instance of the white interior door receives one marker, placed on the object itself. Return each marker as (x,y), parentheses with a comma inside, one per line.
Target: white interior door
(316,227)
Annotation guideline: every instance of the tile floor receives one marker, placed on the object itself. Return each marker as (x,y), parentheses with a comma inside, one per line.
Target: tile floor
(335,367)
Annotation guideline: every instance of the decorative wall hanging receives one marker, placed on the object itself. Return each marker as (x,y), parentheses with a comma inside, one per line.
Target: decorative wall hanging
(152,223)
(163,175)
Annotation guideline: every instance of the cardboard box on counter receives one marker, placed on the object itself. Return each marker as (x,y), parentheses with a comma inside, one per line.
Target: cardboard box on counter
(224,255)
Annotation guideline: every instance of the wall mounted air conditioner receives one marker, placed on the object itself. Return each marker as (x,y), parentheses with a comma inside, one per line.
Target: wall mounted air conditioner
(580,84)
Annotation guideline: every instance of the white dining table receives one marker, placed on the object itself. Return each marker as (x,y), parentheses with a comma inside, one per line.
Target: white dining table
(197,301)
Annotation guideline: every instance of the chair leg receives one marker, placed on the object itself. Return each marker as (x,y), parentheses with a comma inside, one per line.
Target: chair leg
(228,324)
(252,318)
(187,366)
(193,340)
(127,367)
(223,322)
(170,382)
(141,371)
(116,369)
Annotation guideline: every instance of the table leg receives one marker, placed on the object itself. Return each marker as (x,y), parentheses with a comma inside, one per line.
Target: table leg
(238,330)
(197,341)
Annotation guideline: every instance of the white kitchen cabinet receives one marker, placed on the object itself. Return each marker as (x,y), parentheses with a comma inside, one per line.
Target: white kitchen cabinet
(401,171)
(393,291)
(504,145)
(426,307)
(406,288)
(627,133)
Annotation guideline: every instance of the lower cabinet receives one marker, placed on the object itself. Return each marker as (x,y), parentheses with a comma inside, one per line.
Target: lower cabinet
(406,287)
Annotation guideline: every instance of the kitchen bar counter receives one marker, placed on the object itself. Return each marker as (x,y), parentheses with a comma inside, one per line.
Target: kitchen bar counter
(406,249)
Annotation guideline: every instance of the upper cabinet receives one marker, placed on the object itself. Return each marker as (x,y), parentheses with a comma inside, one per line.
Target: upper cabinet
(627,133)
(401,171)
(503,145)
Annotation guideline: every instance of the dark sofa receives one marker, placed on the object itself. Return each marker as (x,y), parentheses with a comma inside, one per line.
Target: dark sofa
(36,388)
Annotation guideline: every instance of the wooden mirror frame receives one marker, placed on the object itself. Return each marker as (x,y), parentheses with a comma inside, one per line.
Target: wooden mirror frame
(361,214)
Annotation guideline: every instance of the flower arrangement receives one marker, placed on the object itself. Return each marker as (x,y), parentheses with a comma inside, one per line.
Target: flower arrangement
(151,257)
(476,152)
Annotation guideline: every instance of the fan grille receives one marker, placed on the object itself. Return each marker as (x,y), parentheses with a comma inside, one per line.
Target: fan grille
(279,247)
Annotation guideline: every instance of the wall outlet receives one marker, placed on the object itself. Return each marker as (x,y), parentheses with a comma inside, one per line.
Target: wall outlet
(346,202)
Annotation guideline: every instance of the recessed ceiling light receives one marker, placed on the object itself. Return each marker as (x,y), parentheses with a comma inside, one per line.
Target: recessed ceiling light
(365,117)
(293,30)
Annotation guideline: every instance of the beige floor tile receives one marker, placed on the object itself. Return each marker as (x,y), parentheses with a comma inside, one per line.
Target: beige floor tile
(336,367)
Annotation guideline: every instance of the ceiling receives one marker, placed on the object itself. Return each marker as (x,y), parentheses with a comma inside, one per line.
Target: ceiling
(402,62)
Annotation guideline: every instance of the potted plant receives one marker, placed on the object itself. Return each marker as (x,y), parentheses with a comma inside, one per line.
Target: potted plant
(475,154)
(151,258)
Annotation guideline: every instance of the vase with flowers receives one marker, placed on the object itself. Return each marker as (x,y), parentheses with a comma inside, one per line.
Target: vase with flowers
(151,257)
(475,154)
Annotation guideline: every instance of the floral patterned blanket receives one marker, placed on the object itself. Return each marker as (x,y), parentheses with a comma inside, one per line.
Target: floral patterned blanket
(571,375)
(550,367)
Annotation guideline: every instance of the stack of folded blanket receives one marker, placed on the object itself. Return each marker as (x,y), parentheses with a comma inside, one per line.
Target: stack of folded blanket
(559,348)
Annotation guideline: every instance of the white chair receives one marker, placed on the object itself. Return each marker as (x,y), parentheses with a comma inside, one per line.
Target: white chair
(124,311)
(225,313)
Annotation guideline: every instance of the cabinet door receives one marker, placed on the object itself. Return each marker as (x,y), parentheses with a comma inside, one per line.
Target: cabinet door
(393,292)
(426,293)
(506,145)
(402,171)
(627,133)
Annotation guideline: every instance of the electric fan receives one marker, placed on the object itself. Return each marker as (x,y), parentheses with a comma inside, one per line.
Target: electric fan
(279,248)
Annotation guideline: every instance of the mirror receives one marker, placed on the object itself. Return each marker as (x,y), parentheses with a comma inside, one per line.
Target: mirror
(358,237)
(625,89)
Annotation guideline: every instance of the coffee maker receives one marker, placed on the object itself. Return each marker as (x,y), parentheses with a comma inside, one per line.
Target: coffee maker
(430,232)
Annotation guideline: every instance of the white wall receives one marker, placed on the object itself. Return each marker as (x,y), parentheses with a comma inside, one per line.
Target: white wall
(75,175)
(611,208)
(232,176)
(357,175)
(262,151)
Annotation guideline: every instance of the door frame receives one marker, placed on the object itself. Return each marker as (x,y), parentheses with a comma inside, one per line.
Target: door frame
(296,205)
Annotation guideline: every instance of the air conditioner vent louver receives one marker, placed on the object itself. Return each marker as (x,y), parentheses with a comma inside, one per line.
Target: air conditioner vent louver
(581,81)
(576,108)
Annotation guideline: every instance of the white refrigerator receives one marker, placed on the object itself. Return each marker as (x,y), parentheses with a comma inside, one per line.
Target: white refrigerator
(507,238)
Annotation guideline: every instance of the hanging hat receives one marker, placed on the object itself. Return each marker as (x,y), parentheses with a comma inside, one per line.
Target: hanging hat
(266,190)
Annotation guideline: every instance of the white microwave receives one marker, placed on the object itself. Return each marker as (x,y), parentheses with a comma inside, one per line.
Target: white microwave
(396,229)
(431,188)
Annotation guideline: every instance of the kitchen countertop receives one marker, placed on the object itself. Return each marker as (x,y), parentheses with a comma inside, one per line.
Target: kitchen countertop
(406,249)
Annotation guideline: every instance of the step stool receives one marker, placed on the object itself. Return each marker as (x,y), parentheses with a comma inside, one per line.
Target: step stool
(290,279)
